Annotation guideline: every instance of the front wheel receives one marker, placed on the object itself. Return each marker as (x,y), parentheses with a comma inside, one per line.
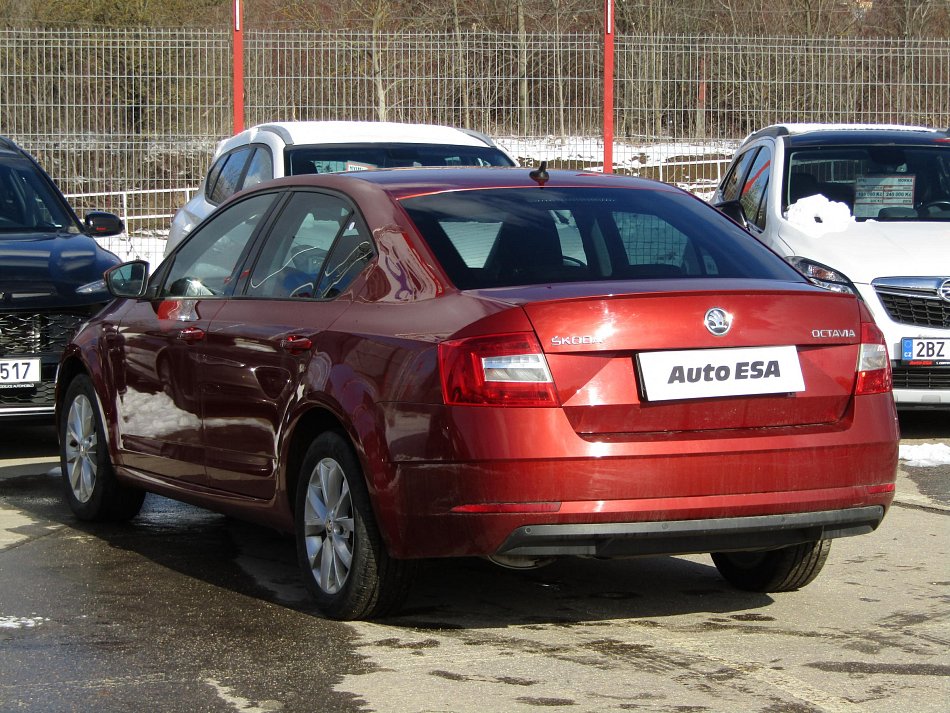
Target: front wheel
(340,552)
(92,489)
(781,570)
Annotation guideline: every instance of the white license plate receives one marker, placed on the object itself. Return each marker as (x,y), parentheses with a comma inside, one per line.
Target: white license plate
(19,371)
(710,373)
(930,351)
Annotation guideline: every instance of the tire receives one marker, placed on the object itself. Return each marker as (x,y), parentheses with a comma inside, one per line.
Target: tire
(781,570)
(341,555)
(92,489)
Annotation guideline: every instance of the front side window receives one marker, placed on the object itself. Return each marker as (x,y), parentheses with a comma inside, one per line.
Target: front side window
(229,177)
(206,265)
(527,236)
(260,169)
(732,185)
(213,173)
(895,183)
(755,188)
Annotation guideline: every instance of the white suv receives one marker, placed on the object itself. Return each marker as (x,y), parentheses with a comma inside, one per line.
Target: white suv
(864,209)
(289,148)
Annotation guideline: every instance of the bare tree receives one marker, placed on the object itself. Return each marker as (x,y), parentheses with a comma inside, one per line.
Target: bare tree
(911,19)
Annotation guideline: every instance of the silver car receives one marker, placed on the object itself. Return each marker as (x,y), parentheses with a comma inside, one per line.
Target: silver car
(291,148)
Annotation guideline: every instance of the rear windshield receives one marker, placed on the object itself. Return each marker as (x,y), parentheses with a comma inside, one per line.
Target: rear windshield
(360,157)
(902,183)
(529,236)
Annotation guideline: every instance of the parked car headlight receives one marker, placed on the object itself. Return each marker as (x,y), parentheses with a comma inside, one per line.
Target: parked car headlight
(822,275)
(91,288)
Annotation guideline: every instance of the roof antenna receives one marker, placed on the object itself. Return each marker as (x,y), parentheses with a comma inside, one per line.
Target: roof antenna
(540,174)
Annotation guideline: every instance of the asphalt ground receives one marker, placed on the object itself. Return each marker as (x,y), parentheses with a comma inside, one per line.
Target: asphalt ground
(187,610)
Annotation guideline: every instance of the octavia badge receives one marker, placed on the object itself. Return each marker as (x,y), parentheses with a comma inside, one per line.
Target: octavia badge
(718,321)
(944,290)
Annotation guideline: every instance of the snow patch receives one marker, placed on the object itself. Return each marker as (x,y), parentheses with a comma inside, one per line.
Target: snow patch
(818,215)
(19,622)
(239,703)
(925,455)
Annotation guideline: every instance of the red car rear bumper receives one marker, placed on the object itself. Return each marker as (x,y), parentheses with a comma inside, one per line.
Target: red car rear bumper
(548,490)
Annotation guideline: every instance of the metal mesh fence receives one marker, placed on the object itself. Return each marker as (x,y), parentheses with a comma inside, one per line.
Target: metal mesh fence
(484,81)
(126,120)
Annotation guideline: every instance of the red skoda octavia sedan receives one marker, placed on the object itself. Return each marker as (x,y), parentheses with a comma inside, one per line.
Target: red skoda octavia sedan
(514,364)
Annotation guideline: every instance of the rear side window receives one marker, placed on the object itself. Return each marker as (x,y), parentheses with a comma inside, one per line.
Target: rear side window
(527,236)
(351,253)
(292,259)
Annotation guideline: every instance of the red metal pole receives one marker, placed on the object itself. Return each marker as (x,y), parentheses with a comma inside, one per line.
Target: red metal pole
(701,101)
(609,86)
(238,68)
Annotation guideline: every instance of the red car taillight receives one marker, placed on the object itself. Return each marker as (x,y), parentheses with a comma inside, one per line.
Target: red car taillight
(496,370)
(874,365)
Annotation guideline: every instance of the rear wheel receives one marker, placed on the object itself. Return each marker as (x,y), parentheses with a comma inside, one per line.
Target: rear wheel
(781,570)
(92,489)
(340,552)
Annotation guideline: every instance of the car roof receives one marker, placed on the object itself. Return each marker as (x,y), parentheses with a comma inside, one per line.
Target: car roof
(405,182)
(356,132)
(805,134)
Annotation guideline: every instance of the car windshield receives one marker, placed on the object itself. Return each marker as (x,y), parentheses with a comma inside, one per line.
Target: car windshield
(27,204)
(360,157)
(529,236)
(895,183)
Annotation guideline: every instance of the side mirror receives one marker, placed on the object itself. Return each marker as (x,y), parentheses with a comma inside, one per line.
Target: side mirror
(734,211)
(130,279)
(102,225)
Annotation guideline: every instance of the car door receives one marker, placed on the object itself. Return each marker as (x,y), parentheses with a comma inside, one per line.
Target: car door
(265,340)
(161,340)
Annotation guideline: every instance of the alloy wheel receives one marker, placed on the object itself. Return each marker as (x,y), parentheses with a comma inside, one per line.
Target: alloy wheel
(328,526)
(82,448)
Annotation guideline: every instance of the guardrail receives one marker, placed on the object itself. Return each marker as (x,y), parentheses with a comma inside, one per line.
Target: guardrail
(135,206)
(159,204)
(148,212)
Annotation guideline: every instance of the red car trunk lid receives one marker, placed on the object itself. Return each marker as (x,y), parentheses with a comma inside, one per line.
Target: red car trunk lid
(653,362)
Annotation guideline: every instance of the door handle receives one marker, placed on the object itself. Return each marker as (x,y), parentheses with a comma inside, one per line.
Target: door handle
(191,334)
(295,344)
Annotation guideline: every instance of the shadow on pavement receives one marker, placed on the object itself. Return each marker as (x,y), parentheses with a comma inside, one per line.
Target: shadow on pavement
(447,594)
(924,424)
(27,442)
